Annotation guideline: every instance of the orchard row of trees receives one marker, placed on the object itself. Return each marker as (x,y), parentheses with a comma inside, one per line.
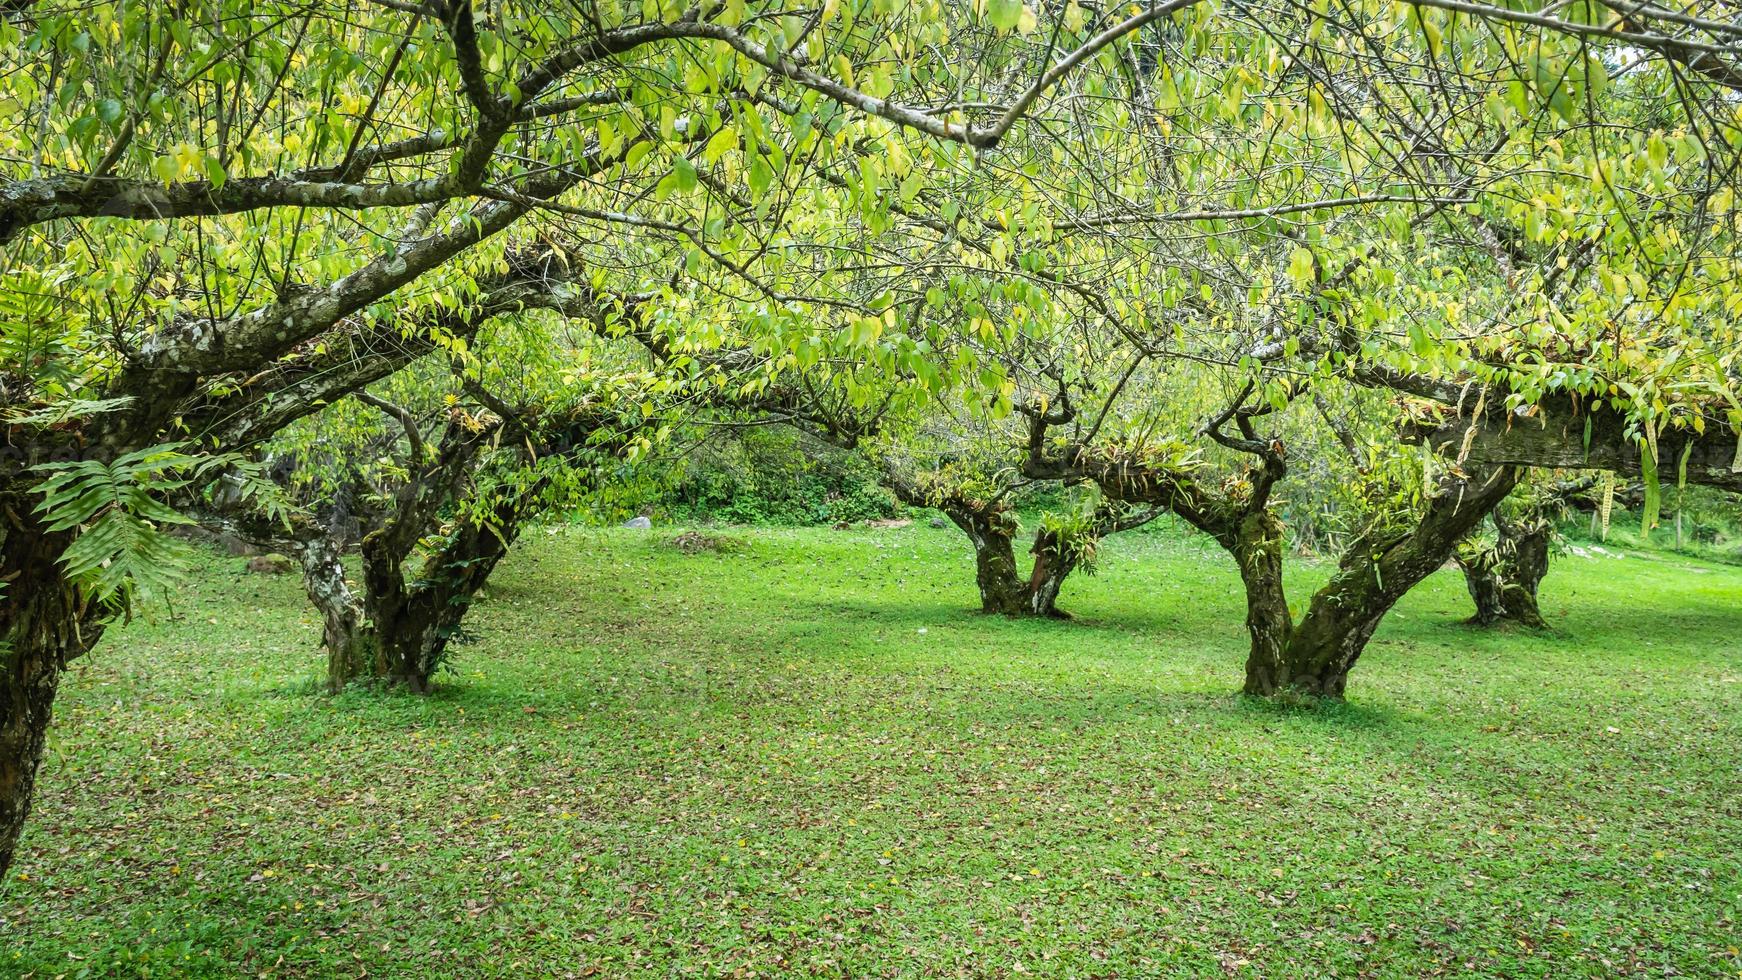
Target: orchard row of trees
(404,275)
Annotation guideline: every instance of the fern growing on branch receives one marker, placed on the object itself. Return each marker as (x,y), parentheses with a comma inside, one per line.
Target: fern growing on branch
(119,512)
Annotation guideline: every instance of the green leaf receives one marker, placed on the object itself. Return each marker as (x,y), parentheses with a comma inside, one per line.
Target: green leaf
(683,174)
(760,177)
(1653,493)
(215,172)
(722,142)
(166,169)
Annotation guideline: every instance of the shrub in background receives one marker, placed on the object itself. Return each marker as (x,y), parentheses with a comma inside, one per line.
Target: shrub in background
(769,475)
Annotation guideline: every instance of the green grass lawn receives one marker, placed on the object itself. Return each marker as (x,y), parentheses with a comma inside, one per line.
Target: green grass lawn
(808,757)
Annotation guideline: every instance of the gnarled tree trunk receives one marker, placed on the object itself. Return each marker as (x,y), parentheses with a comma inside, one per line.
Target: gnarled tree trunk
(1525,569)
(1053,563)
(1484,583)
(1373,575)
(350,642)
(1257,549)
(44,624)
(412,623)
(1503,578)
(1055,558)
(318,547)
(1312,657)
(992,531)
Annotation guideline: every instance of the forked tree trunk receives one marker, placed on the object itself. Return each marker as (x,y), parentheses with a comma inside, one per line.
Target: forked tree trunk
(1503,579)
(389,631)
(1526,568)
(991,529)
(1329,639)
(44,624)
(398,614)
(1055,557)
(1372,576)
(1002,589)
(992,532)
(1314,656)
(411,624)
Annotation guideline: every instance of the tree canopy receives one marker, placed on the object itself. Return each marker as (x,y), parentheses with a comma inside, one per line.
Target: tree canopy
(1156,248)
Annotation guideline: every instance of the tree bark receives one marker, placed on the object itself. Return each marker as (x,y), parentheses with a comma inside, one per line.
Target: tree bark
(400,616)
(1257,549)
(1052,565)
(391,631)
(1312,657)
(992,530)
(318,547)
(1373,575)
(412,623)
(1055,559)
(1484,583)
(44,624)
(1527,567)
(1503,578)
(1560,434)
(352,647)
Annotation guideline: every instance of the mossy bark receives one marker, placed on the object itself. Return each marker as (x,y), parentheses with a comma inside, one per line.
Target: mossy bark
(991,530)
(45,623)
(1484,584)
(1503,578)
(1053,563)
(1313,656)
(1526,568)
(1002,589)
(1257,546)
(390,630)
(1373,574)
(414,622)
